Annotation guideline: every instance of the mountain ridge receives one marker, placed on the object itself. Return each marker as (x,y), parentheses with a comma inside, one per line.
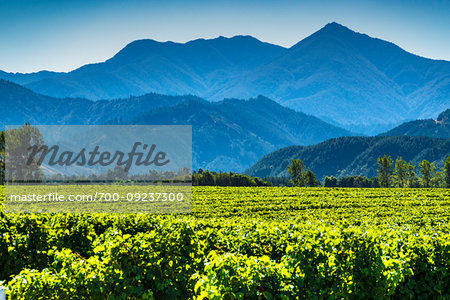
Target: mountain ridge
(323,78)
(351,79)
(164,67)
(229,135)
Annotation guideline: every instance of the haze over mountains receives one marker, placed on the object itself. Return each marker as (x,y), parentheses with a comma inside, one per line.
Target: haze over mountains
(227,135)
(232,134)
(347,78)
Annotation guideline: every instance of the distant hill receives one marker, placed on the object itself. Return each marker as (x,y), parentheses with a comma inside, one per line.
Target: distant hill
(346,78)
(352,155)
(23,79)
(145,66)
(229,135)
(20,105)
(439,128)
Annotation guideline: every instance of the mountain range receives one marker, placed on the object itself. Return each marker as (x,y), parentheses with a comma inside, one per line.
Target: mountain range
(346,78)
(348,156)
(227,135)
(334,79)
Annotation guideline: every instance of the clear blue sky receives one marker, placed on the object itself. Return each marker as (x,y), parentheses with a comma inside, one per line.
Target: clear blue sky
(63,35)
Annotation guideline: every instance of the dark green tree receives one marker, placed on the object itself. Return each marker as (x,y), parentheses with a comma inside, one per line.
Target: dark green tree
(330,181)
(374,182)
(428,172)
(2,157)
(401,172)
(310,179)
(384,170)
(438,180)
(225,179)
(208,178)
(354,181)
(446,172)
(412,180)
(297,170)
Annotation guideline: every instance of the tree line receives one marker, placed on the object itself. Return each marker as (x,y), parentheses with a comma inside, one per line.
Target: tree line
(399,174)
(2,157)
(402,174)
(208,178)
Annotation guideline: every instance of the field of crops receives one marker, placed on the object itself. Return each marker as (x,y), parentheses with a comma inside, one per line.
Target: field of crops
(239,243)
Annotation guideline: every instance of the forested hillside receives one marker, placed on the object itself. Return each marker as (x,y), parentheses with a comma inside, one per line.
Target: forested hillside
(229,135)
(352,155)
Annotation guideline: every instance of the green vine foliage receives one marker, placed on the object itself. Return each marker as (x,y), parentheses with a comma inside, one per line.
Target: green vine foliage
(239,243)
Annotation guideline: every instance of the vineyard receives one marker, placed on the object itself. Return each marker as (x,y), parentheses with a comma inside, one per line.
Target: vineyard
(258,242)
